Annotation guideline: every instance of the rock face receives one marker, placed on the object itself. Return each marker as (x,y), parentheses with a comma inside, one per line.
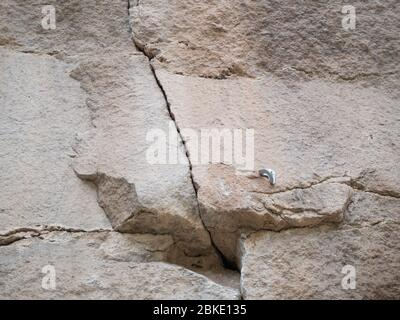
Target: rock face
(101,266)
(132,135)
(322,102)
(137,196)
(308,263)
(304,131)
(219,39)
(41,110)
(76,111)
(81,28)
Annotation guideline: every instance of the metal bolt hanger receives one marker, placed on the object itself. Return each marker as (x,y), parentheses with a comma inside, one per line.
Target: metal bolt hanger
(269,174)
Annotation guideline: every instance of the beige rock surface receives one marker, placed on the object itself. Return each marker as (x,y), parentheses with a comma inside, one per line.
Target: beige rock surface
(137,196)
(82,28)
(124,103)
(42,108)
(307,263)
(309,133)
(323,103)
(77,103)
(102,265)
(78,190)
(219,39)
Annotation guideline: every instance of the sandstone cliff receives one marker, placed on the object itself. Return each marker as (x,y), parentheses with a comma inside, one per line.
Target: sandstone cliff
(78,193)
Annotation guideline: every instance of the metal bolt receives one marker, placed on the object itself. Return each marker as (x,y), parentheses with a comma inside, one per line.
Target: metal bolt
(269,174)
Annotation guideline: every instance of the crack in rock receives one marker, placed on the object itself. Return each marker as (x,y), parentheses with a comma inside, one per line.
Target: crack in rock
(230,210)
(367,239)
(150,55)
(122,206)
(227,217)
(369,181)
(320,119)
(125,102)
(23,233)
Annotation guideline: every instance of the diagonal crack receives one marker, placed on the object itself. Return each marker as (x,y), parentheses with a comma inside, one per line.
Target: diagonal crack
(184,143)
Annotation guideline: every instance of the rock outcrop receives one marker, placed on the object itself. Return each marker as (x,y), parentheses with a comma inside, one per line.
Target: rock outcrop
(308,263)
(86,189)
(77,105)
(309,132)
(104,265)
(322,102)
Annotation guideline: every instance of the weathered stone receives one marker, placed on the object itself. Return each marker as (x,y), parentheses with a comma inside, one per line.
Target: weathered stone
(123,103)
(42,108)
(104,265)
(137,196)
(227,214)
(79,102)
(297,39)
(82,29)
(92,99)
(305,132)
(307,263)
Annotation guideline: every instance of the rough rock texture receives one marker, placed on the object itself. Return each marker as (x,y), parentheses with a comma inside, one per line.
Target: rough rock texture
(307,263)
(123,102)
(41,110)
(79,192)
(136,195)
(104,265)
(304,131)
(218,39)
(229,212)
(82,28)
(323,103)
(77,103)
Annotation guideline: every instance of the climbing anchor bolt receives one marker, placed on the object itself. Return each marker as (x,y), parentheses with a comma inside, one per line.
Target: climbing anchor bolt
(269,174)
